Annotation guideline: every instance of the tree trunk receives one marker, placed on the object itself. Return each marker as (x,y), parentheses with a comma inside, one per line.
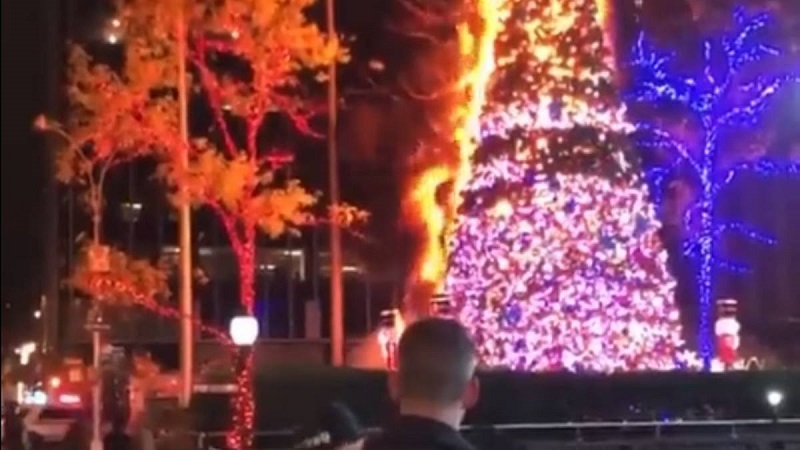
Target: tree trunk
(96,229)
(243,403)
(247,268)
(94,198)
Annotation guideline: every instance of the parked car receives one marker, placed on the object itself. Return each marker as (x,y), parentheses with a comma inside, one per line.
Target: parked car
(49,424)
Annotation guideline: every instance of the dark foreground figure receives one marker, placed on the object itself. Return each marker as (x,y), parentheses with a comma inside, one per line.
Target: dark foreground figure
(434,385)
(117,439)
(336,428)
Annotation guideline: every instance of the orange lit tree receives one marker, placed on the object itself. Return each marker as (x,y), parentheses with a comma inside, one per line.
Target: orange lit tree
(104,130)
(253,67)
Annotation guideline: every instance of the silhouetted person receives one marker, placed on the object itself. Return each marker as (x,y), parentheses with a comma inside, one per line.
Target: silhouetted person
(434,385)
(14,428)
(117,439)
(76,438)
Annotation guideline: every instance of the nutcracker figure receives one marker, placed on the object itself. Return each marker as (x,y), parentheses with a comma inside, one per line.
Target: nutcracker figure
(389,336)
(727,329)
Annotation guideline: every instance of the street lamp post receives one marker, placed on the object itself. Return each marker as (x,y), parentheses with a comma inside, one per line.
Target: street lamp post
(337,301)
(244,332)
(184,221)
(774,400)
(96,326)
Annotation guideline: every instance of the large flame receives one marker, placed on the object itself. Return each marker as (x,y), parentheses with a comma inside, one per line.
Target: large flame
(476,45)
(481,51)
(605,17)
(477,50)
(430,265)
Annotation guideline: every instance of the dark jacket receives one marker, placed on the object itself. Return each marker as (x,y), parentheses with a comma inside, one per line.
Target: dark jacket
(417,433)
(117,440)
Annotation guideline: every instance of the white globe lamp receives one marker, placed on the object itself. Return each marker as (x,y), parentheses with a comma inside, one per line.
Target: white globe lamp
(244,330)
(774,398)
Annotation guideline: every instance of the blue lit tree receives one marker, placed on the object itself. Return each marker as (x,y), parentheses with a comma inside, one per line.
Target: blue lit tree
(720,103)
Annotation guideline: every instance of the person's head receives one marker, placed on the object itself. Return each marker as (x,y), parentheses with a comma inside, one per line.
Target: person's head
(336,428)
(436,361)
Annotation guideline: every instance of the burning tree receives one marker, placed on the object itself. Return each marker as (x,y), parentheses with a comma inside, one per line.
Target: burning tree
(443,85)
(720,104)
(555,263)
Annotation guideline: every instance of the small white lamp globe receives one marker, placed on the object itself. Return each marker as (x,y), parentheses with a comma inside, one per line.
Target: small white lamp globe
(774,398)
(244,330)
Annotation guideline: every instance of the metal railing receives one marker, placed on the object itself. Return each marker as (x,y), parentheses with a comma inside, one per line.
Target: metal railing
(756,434)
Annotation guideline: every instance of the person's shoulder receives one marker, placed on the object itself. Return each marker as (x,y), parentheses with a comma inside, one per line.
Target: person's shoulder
(380,441)
(373,440)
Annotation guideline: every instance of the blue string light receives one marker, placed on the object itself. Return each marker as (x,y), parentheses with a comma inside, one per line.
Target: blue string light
(718,102)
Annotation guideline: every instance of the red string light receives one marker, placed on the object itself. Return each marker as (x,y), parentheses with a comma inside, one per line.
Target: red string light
(101,283)
(241,436)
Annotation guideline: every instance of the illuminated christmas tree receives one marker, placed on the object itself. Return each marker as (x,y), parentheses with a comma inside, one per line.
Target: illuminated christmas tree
(555,260)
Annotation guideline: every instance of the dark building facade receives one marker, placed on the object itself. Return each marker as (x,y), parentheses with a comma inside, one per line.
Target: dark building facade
(291,284)
(292,281)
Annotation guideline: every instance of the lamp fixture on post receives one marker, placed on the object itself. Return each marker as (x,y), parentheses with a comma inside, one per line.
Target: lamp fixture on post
(774,399)
(244,330)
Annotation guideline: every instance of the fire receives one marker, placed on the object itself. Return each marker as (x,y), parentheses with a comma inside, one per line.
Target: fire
(431,263)
(477,50)
(604,17)
(603,11)
(481,51)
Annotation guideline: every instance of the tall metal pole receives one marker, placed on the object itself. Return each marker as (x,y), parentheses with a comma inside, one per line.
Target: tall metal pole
(337,303)
(184,222)
(97,390)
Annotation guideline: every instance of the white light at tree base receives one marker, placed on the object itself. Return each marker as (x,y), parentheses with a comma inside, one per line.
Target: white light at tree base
(774,398)
(244,330)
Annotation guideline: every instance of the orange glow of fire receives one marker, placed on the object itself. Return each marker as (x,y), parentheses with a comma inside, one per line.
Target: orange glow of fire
(603,11)
(481,51)
(477,50)
(431,262)
(604,14)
